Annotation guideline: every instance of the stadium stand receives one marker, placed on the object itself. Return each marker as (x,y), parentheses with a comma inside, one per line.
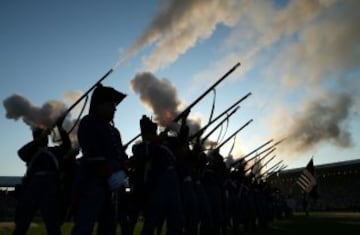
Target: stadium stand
(338,186)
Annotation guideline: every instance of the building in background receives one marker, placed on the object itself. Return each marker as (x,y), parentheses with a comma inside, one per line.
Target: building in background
(338,185)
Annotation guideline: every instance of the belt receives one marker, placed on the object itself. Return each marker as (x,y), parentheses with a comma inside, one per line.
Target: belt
(44,173)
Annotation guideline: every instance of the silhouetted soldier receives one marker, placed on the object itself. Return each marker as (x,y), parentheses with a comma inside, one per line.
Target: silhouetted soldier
(231,186)
(161,187)
(203,203)
(41,182)
(186,166)
(102,167)
(213,182)
(67,177)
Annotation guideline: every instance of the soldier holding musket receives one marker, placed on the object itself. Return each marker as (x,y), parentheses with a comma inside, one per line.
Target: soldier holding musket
(41,181)
(102,168)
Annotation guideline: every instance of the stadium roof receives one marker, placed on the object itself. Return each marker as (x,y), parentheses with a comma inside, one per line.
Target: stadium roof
(326,166)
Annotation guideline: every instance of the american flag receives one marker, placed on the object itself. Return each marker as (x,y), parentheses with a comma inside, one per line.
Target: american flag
(307,180)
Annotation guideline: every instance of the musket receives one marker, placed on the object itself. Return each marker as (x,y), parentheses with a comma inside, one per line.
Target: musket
(205,93)
(219,116)
(87,92)
(274,172)
(63,115)
(272,146)
(263,165)
(243,157)
(187,110)
(217,126)
(261,158)
(232,135)
(273,168)
(262,152)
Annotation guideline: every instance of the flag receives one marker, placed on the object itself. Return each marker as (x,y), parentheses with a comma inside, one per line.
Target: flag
(307,180)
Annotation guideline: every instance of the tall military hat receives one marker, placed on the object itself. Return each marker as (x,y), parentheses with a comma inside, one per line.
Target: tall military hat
(147,126)
(103,94)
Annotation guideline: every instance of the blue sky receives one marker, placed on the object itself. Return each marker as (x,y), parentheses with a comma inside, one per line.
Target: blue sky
(300,60)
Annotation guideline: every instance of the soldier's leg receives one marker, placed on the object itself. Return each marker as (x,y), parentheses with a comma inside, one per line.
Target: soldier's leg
(49,206)
(91,202)
(107,220)
(175,215)
(190,208)
(25,211)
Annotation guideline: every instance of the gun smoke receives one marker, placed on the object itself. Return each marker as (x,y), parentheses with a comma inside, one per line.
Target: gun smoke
(161,96)
(19,107)
(323,119)
(179,25)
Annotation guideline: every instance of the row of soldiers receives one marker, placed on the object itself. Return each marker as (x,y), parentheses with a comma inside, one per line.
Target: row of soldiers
(167,181)
(193,192)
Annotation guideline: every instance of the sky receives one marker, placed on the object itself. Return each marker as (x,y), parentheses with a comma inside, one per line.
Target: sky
(299,59)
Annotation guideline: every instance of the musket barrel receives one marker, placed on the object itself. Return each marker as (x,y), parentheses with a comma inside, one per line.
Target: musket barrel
(130,141)
(219,124)
(267,162)
(274,167)
(262,158)
(264,151)
(82,97)
(273,172)
(206,92)
(219,116)
(243,157)
(272,146)
(197,100)
(224,142)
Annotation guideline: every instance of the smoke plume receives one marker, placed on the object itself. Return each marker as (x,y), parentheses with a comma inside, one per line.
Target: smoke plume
(19,107)
(161,96)
(323,119)
(179,25)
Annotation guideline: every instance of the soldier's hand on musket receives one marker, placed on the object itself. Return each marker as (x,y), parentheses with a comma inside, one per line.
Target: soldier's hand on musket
(59,121)
(184,116)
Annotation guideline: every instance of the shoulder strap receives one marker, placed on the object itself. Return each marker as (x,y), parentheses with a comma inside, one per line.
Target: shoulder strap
(38,153)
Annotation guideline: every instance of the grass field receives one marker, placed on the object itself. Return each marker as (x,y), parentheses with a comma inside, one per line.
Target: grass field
(324,223)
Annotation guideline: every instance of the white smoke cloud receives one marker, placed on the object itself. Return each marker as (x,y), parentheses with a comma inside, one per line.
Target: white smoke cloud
(19,107)
(316,42)
(322,119)
(317,46)
(179,25)
(159,95)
